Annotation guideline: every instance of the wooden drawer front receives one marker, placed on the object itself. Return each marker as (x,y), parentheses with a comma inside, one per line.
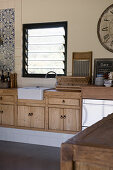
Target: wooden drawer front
(75,102)
(9,99)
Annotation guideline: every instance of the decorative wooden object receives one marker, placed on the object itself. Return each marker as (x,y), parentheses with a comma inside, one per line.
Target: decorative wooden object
(13,77)
(82,65)
(91,149)
(69,82)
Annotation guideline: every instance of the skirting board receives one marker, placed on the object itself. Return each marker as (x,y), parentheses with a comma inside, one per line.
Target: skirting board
(33,137)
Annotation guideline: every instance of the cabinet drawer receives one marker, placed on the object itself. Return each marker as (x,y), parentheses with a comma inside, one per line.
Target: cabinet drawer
(8,99)
(75,102)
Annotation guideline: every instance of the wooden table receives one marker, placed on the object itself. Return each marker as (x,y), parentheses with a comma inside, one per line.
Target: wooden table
(91,149)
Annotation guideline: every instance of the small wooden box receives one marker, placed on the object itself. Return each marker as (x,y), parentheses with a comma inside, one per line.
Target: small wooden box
(71,81)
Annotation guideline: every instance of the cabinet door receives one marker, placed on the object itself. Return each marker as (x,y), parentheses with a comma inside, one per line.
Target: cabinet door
(37,117)
(72,119)
(56,118)
(24,116)
(7,114)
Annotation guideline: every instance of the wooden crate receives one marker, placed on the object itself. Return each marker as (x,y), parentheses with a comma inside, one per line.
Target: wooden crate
(71,82)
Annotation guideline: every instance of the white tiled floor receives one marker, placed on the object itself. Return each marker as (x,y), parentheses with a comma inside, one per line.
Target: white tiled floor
(33,137)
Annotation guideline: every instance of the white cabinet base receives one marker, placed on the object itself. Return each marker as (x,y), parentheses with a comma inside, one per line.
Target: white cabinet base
(33,137)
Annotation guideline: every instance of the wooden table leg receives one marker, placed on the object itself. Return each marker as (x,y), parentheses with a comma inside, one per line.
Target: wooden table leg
(66,162)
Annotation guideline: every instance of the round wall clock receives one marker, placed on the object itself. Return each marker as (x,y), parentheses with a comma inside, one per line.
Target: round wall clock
(105,28)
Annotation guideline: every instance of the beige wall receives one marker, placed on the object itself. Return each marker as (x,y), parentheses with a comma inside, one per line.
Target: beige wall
(82,17)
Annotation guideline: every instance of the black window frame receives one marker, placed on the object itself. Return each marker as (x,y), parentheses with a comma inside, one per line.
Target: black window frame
(43,25)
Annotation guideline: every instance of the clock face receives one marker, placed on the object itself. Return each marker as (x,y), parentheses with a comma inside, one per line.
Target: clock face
(105,28)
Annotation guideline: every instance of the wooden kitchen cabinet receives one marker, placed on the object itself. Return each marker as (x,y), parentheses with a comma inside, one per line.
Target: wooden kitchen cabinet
(63,111)
(59,111)
(64,119)
(31,116)
(8,99)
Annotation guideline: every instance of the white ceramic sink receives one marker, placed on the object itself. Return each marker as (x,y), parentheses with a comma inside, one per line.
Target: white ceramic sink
(35,93)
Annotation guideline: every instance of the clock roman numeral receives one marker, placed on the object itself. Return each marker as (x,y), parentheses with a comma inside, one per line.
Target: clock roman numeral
(111,12)
(105,29)
(106,20)
(106,38)
(111,44)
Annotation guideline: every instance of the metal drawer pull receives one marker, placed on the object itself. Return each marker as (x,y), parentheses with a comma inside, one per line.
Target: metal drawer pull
(0,97)
(64,116)
(1,111)
(63,101)
(31,114)
(61,117)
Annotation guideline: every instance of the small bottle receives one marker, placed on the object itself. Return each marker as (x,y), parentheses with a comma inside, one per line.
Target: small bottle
(2,77)
(8,80)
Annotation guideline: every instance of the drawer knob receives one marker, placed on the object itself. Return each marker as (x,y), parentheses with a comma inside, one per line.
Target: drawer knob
(0,97)
(1,111)
(64,116)
(63,101)
(61,117)
(31,114)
